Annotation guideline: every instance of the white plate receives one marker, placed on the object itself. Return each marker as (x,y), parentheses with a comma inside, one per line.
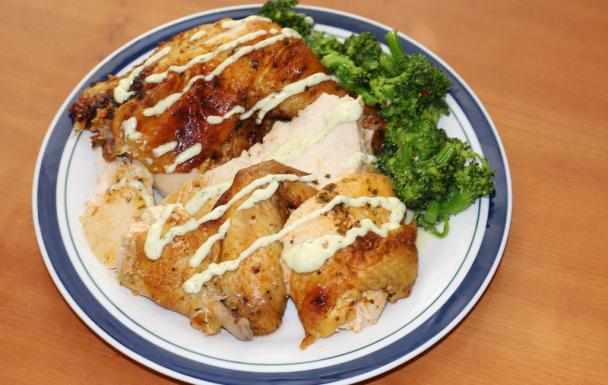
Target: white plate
(453,272)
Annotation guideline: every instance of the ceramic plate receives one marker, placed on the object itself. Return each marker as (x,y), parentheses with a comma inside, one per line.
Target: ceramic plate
(453,271)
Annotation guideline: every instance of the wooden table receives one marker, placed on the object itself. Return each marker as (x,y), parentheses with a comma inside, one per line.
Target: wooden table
(540,69)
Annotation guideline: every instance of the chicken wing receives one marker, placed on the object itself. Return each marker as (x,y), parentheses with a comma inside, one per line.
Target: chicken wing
(247,301)
(349,291)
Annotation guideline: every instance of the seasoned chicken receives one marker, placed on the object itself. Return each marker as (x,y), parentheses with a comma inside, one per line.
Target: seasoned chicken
(125,191)
(256,290)
(206,95)
(350,289)
(324,139)
(247,301)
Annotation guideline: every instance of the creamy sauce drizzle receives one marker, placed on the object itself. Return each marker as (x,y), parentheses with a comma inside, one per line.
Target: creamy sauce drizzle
(198,35)
(121,92)
(198,200)
(202,252)
(260,195)
(311,255)
(235,23)
(162,105)
(257,196)
(359,158)
(195,283)
(214,119)
(341,115)
(293,148)
(129,129)
(164,148)
(155,244)
(242,51)
(167,102)
(299,258)
(225,34)
(159,77)
(184,156)
(271,101)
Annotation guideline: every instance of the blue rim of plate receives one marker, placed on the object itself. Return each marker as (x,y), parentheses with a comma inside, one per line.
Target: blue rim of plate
(104,324)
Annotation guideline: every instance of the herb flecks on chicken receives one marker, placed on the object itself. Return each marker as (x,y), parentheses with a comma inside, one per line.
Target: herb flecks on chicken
(249,301)
(351,289)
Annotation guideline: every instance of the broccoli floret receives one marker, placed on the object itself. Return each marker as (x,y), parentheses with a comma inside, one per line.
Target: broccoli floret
(418,86)
(434,175)
(322,44)
(418,159)
(351,77)
(364,50)
(283,13)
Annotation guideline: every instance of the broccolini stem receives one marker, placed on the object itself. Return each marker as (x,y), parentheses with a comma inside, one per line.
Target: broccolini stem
(445,154)
(388,63)
(392,40)
(433,227)
(432,212)
(456,204)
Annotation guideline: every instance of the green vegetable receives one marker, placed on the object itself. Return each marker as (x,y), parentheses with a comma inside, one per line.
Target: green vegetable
(434,175)
(282,12)
(365,51)
(323,44)
(354,78)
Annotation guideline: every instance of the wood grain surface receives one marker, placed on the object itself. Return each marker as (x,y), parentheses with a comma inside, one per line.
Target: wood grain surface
(540,68)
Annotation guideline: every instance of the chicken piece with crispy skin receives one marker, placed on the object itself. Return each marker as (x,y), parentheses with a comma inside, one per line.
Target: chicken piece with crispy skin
(349,291)
(256,290)
(247,301)
(244,82)
(184,123)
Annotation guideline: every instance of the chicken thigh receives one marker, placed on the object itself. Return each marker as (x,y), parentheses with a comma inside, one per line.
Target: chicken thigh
(351,288)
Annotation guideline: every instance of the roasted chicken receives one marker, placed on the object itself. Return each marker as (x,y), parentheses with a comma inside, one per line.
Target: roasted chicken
(248,301)
(197,76)
(200,100)
(124,192)
(350,290)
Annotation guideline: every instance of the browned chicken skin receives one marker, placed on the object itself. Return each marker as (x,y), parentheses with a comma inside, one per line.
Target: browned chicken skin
(248,301)
(249,79)
(350,289)
(348,292)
